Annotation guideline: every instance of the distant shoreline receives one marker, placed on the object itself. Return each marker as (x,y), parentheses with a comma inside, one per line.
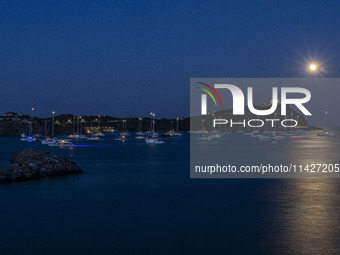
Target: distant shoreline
(14,125)
(67,123)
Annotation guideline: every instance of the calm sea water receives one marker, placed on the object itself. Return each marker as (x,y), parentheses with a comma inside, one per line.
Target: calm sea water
(138,198)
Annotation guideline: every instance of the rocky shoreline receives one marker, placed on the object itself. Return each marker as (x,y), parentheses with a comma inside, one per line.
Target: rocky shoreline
(30,164)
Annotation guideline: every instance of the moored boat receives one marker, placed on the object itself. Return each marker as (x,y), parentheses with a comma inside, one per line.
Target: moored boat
(61,143)
(152,137)
(265,138)
(329,134)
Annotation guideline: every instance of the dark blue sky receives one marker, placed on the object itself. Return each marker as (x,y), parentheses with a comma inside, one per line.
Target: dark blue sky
(128,58)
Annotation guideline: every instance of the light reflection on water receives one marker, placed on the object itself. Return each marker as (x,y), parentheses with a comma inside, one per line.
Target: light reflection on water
(309,216)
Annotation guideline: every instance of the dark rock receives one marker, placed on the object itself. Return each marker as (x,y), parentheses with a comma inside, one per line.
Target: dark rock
(28,164)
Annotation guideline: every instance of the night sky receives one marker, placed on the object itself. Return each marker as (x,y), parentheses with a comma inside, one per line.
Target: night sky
(130,58)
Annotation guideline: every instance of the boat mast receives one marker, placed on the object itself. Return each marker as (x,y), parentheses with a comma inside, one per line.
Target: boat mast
(53,123)
(124,126)
(77,125)
(81,126)
(291,116)
(31,126)
(45,127)
(74,125)
(98,123)
(324,122)
(153,122)
(140,125)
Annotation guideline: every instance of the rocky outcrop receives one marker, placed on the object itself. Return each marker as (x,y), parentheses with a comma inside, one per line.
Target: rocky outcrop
(28,164)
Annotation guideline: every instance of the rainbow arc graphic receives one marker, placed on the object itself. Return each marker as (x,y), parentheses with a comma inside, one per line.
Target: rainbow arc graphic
(209,93)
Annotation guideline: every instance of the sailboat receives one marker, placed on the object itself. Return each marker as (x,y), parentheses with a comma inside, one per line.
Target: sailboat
(92,137)
(121,136)
(61,143)
(326,133)
(29,137)
(77,135)
(152,137)
(98,133)
(330,134)
(172,132)
(46,139)
(140,134)
(124,131)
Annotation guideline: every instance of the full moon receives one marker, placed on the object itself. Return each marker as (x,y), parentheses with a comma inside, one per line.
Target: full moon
(312,67)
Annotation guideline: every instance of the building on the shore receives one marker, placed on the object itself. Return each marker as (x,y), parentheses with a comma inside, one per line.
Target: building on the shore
(11,115)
